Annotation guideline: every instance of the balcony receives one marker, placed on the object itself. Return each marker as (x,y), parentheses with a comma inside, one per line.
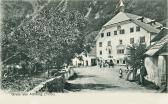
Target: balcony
(108,48)
(120,46)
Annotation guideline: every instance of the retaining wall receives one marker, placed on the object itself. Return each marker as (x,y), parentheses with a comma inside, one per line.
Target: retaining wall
(55,84)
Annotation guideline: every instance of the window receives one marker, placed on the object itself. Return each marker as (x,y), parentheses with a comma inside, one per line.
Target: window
(115,32)
(100,52)
(109,51)
(117,61)
(138,28)
(120,51)
(111,61)
(102,34)
(131,30)
(108,34)
(142,39)
(100,44)
(122,31)
(120,41)
(131,40)
(123,61)
(109,43)
(118,27)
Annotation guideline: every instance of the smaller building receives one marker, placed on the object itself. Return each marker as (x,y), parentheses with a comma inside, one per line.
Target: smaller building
(156,60)
(85,58)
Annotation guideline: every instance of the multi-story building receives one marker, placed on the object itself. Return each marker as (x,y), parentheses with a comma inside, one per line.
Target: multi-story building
(120,32)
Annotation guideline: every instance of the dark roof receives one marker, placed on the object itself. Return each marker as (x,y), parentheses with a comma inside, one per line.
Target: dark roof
(160,35)
(157,46)
(122,16)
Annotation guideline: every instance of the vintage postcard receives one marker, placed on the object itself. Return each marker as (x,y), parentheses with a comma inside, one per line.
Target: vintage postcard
(110,47)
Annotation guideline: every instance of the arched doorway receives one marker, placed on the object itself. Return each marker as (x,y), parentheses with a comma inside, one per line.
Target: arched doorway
(86,62)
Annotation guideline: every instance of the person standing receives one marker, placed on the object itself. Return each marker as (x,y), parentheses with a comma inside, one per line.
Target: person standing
(143,73)
(121,73)
(100,63)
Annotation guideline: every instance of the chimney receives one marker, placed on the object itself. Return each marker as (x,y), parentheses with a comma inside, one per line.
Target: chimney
(150,22)
(154,22)
(159,27)
(141,19)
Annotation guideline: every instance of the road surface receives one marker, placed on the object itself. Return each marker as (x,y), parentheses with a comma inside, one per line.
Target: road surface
(95,79)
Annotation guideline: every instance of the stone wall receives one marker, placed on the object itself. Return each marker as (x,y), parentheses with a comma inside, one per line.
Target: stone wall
(55,84)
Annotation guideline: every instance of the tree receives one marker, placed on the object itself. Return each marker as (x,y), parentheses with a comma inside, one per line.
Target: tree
(53,36)
(135,56)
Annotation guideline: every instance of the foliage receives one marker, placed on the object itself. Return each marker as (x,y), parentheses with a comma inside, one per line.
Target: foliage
(136,55)
(14,13)
(80,58)
(53,36)
(90,38)
(20,83)
(154,9)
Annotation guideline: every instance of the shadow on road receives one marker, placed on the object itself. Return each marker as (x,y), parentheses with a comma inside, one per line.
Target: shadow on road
(86,76)
(80,76)
(150,85)
(91,86)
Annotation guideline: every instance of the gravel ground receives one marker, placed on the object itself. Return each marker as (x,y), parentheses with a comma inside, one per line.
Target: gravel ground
(95,79)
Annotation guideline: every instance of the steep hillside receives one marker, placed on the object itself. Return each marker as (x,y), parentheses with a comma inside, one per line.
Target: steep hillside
(96,12)
(100,11)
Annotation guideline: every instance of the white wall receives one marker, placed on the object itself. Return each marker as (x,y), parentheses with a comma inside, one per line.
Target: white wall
(156,69)
(115,39)
(87,59)
(76,61)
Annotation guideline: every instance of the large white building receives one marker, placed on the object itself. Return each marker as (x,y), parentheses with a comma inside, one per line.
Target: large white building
(121,31)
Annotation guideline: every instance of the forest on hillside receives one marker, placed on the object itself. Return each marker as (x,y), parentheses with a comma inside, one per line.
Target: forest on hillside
(51,32)
(97,12)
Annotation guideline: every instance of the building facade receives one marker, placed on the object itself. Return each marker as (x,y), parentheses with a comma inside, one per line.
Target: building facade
(123,30)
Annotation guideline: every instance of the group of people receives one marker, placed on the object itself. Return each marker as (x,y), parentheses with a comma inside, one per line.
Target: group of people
(105,64)
(139,76)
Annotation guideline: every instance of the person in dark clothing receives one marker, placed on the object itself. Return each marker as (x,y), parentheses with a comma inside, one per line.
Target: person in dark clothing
(143,73)
(111,64)
(100,64)
(121,73)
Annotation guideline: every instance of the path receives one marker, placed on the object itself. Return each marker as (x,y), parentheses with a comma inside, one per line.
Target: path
(94,79)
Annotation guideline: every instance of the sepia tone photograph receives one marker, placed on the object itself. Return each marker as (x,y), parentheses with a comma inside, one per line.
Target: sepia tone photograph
(84,46)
